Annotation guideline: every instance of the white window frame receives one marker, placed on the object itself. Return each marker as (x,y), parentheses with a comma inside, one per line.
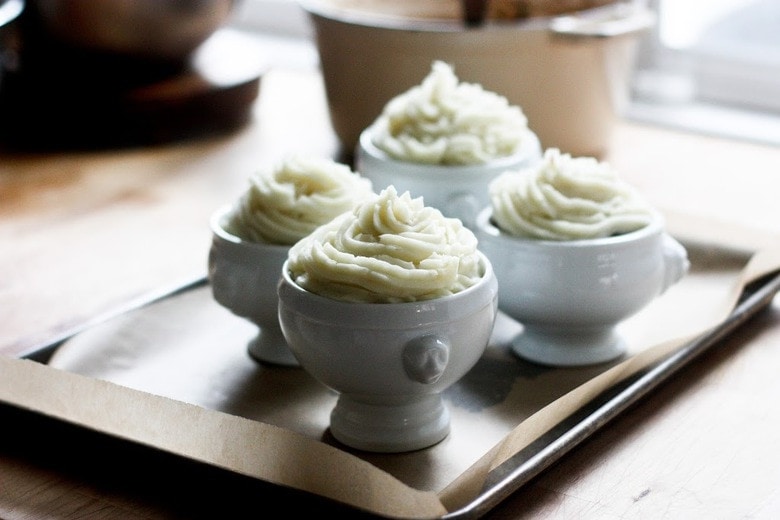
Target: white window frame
(729,90)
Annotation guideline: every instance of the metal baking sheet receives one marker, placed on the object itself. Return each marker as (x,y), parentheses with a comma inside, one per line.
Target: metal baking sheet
(185,346)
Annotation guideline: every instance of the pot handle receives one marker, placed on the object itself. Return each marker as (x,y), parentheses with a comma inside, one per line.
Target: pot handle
(619,19)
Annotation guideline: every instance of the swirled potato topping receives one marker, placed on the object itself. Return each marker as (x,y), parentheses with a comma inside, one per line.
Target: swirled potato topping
(566,198)
(391,249)
(449,122)
(289,200)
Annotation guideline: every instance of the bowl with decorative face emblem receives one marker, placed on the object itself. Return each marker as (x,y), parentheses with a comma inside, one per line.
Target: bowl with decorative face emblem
(570,295)
(389,362)
(445,140)
(243,275)
(251,238)
(576,250)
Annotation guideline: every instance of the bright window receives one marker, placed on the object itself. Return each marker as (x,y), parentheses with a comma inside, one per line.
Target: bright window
(713,66)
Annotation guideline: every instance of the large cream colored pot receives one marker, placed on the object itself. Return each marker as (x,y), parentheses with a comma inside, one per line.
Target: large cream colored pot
(569,74)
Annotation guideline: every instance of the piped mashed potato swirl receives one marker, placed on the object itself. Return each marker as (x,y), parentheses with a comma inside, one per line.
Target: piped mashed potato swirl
(448,122)
(566,198)
(393,249)
(292,198)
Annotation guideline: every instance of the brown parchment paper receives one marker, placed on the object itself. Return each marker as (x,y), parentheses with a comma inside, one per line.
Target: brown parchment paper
(175,376)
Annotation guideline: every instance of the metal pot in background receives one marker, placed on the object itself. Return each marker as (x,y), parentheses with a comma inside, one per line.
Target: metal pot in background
(570,74)
(96,74)
(10,11)
(143,29)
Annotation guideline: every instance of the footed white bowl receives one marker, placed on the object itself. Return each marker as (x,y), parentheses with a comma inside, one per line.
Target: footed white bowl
(243,277)
(569,296)
(389,362)
(456,191)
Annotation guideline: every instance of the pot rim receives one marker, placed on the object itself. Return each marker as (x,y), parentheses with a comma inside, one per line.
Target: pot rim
(615,19)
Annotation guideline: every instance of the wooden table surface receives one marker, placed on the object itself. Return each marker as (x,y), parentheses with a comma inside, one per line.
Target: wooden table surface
(83,233)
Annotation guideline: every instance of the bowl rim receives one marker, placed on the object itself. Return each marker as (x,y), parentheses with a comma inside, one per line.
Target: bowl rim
(486,229)
(374,315)
(530,149)
(219,232)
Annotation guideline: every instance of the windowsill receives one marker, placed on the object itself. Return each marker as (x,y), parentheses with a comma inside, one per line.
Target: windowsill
(708,119)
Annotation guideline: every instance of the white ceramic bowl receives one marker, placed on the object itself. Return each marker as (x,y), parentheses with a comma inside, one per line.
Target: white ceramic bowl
(456,191)
(243,277)
(569,74)
(569,296)
(389,361)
